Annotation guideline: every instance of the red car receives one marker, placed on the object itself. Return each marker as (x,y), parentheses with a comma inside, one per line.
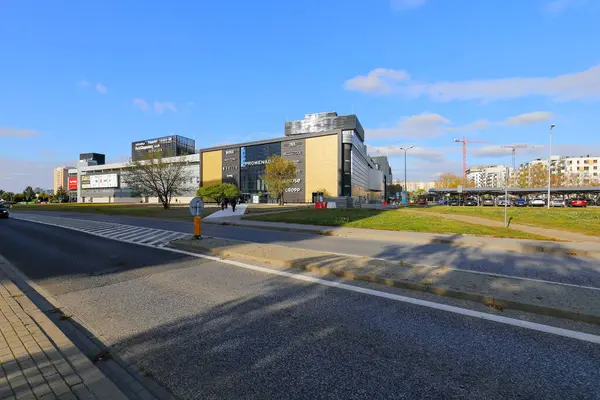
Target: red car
(579,202)
(422,202)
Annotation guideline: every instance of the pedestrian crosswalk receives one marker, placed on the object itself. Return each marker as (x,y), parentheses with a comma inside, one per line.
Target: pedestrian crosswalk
(108,230)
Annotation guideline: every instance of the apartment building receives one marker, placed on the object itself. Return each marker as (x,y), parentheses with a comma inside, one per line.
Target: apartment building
(487,176)
(61,175)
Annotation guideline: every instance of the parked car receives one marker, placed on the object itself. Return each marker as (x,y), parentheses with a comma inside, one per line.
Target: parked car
(537,202)
(520,203)
(557,203)
(488,202)
(470,202)
(454,202)
(578,202)
(504,202)
(4,212)
(422,202)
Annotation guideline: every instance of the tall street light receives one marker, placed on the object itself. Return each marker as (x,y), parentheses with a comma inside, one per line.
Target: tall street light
(405,149)
(549,156)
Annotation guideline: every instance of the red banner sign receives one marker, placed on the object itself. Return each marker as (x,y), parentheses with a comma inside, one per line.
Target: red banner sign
(72,183)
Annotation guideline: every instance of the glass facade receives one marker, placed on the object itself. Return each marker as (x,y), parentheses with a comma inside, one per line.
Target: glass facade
(253,160)
(168,146)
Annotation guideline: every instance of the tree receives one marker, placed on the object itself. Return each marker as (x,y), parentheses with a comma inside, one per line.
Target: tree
(8,196)
(43,196)
(279,174)
(448,181)
(218,191)
(61,195)
(155,176)
(29,194)
(19,197)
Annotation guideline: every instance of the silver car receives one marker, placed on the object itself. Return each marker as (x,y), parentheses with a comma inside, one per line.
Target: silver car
(557,203)
(537,203)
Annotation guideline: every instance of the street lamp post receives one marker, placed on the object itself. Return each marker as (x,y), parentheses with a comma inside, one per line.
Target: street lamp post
(549,169)
(405,150)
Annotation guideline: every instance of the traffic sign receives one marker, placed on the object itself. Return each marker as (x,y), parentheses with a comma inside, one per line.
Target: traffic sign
(459,190)
(196,206)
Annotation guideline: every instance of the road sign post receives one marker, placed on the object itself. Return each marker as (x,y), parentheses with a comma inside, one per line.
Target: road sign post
(196,209)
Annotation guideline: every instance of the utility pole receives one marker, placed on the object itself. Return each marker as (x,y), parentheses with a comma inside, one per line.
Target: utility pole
(549,169)
(405,149)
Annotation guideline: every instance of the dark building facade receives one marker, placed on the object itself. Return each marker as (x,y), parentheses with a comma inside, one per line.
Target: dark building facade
(96,158)
(328,151)
(166,146)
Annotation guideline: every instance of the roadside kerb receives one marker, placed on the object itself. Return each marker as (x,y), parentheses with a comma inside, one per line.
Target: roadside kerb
(499,292)
(570,249)
(78,338)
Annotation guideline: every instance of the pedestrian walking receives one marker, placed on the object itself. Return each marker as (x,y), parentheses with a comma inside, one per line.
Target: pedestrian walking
(233,204)
(223,204)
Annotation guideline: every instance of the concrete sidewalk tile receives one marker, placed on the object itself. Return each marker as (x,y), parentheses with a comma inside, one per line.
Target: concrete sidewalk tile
(72,379)
(82,392)
(5,391)
(41,389)
(68,396)
(58,385)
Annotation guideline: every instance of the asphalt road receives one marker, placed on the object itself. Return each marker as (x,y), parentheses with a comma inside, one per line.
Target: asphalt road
(207,329)
(577,270)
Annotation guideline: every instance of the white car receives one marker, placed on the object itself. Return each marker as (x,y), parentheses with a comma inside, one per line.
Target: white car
(537,203)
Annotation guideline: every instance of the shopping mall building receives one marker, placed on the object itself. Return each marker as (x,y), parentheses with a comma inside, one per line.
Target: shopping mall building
(328,150)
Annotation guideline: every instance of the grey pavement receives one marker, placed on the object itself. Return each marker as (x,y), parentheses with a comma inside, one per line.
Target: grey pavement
(572,270)
(205,329)
(37,361)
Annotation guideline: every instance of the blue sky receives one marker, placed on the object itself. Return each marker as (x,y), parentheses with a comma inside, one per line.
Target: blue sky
(94,76)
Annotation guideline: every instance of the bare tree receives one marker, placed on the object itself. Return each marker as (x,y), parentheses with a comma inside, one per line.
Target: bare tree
(156,176)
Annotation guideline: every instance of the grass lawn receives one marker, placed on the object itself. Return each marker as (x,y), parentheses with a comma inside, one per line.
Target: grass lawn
(263,208)
(133,210)
(580,220)
(396,220)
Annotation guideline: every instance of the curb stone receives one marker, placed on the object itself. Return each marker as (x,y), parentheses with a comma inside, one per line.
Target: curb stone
(567,249)
(424,285)
(89,344)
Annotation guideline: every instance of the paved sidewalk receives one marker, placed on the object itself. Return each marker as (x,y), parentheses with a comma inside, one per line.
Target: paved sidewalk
(551,233)
(587,249)
(240,209)
(37,360)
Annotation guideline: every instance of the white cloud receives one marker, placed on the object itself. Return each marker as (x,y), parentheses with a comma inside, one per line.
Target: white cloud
(426,125)
(16,174)
(402,5)
(558,6)
(380,80)
(141,104)
(584,85)
(84,83)
(529,118)
(100,88)
(424,153)
(162,106)
(16,132)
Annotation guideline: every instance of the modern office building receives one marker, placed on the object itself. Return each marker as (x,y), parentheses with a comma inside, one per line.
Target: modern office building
(329,153)
(167,146)
(328,150)
(489,175)
(93,158)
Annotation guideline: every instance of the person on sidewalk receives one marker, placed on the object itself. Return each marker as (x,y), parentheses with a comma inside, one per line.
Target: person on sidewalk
(233,203)
(223,204)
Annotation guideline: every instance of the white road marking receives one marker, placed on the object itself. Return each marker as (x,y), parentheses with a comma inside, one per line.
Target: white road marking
(587,337)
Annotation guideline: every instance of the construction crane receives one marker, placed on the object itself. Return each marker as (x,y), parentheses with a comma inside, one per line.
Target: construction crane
(514,148)
(464,142)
